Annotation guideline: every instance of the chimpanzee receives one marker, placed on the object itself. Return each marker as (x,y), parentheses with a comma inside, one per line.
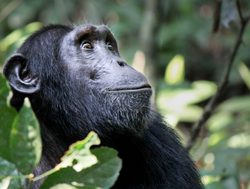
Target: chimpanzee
(77,82)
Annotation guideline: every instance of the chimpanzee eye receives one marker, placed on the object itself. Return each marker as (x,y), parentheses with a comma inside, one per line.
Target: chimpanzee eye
(86,45)
(109,45)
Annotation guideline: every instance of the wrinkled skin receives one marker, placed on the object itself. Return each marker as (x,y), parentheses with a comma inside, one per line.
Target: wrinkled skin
(77,82)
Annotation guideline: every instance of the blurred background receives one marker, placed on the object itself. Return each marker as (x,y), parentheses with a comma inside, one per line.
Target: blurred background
(182,49)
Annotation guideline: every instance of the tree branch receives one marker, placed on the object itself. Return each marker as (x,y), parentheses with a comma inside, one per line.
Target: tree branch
(209,108)
(238,5)
(217,16)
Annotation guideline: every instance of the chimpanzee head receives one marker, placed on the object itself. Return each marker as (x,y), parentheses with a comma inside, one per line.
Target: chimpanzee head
(75,77)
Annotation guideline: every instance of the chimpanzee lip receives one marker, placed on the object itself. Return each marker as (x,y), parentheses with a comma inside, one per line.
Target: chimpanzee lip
(144,87)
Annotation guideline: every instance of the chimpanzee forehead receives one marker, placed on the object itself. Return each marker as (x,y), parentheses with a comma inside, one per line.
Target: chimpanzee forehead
(93,30)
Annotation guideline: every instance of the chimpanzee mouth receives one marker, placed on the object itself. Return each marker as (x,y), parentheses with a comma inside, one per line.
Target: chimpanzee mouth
(145,87)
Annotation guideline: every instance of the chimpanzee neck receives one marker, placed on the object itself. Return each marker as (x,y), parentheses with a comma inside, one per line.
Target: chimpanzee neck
(153,159)
(150,157)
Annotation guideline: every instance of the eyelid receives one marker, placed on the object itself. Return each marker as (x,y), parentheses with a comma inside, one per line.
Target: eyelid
(110,45)
(83,37)
(84,42)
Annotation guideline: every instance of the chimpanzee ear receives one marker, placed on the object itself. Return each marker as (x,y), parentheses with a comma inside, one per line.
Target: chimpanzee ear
(19,76)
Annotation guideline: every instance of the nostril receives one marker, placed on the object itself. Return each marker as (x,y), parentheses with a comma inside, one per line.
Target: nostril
(121,63)
(93,75)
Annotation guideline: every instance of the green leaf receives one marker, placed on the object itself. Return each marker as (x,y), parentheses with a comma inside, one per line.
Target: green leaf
(174,73)
(79,156)
(215,185)
(203,90)
(220,121)
(101,175)
(189,113)
(200,91)
(236,104)
(107,170)
(4,91)
(9,176)
(6,120)
(25,141)
(7,117)
(245,74)
(17,36)
(178,103)
(239,141)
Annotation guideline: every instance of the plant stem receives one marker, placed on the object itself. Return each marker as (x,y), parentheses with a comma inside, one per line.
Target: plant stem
(209,108)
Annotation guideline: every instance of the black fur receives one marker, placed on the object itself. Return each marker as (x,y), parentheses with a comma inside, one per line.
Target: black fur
(72,100)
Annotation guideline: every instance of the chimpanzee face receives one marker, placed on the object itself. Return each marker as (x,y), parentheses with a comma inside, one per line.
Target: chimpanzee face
(92,58)
(79,69)
(91,52)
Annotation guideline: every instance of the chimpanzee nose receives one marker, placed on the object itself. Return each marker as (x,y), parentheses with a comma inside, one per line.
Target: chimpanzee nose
(120,63)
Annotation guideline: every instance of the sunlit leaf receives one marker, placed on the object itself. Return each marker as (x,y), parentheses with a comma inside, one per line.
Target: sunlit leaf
(219,121)
(79,156)
(13,40)
(236,104)
(25,141)
(185,113)
(179,102)
(241,140)
(18,34)
(101,175)
(175,70)
(216,138)
(190,113)
(245,74)
(201,90)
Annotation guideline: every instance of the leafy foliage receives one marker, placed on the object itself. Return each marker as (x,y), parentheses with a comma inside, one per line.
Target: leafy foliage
(21,149)
(9,176)
(101,175)
(175,70)
(6,120)
(79,156)
(25,142)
